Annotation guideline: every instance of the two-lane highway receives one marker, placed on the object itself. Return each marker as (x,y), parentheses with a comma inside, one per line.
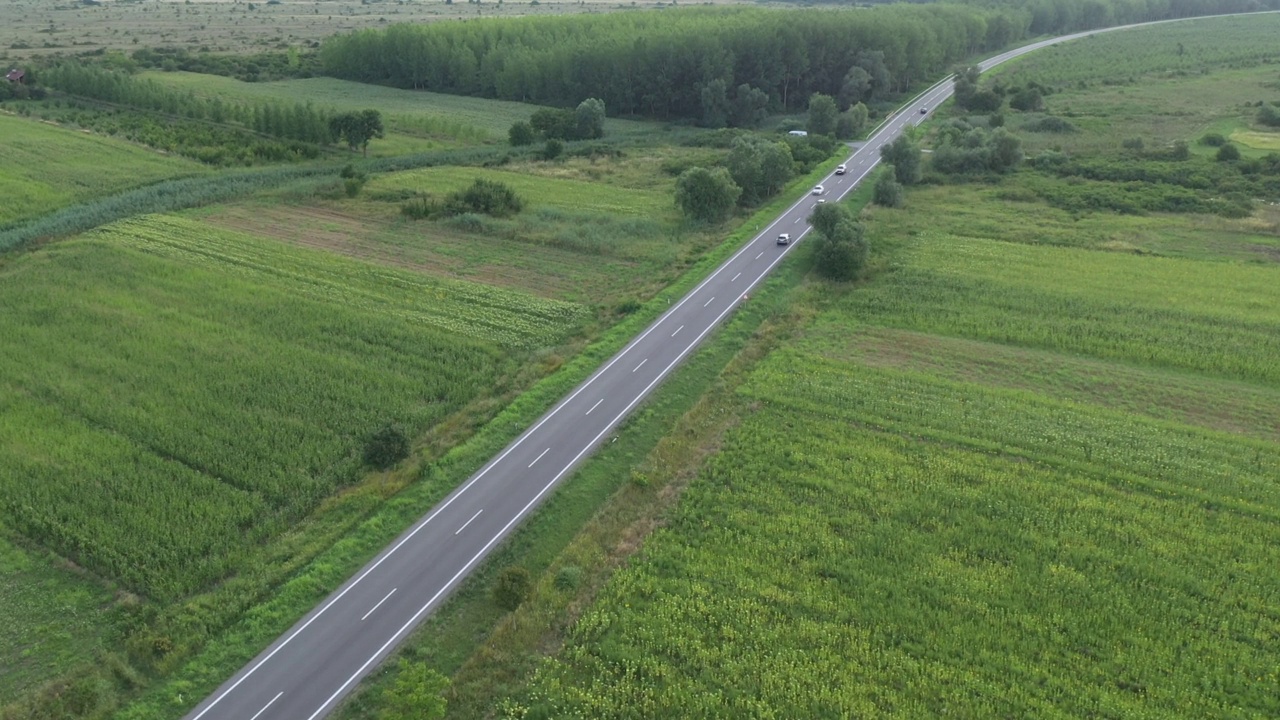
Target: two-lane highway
(307,671)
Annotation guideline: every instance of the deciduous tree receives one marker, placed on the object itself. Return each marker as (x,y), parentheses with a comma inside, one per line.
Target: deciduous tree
(706,195)
(357,128)
(904,155)
(822,114)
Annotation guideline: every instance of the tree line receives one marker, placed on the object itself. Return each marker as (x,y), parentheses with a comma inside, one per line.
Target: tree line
(718,65)
(287,121)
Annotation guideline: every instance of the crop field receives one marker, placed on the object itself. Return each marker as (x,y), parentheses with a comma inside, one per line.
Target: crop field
(1170,49)
(1079,302)
(1027,468)
(965,211)
(1224,66)
(44,167)
(822,567)
(116,458)
(937,504)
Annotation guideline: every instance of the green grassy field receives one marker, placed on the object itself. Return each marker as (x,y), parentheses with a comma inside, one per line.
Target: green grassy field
(562,194)
(44,167)
(940,504)
(409,112)
(1176,49)
(1180,81)
(162,482)
(51,615)
(1026,469)
(597,232)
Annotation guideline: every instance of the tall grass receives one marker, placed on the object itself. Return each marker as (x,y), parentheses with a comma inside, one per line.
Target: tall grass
(194,192)
(818,568)
(43,168)
(1142,310)
(177,395)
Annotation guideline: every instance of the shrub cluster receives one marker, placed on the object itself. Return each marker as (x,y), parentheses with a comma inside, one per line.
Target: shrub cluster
(967,150)
(263,67)
(482,197)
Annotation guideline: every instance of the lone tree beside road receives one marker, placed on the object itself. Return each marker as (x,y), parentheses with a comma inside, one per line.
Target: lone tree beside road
(841,250)
(706,195)
(357,128)
(904,155)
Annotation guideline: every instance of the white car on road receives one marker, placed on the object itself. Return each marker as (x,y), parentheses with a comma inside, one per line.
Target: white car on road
(784,239)
(818,190)
(840,169)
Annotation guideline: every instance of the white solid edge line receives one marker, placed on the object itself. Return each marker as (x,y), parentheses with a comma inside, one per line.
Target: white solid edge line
(384,599)
(269,704)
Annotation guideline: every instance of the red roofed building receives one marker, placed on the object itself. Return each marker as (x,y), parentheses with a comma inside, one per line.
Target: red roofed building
(16,76)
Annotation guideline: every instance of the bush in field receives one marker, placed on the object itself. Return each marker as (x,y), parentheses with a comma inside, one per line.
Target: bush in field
(851,122)
(1212,140)
(586,122)
(418,694)
(1227,153)
(841,246)
(386,447)
(419,208)
(569,577)
(357,128)
(761,168)
(552,149)
(888,191)
(1049,124)
(1027,100)
(487,197)
(706,195)
(353,180)
(512,588)
(589,120)
(1269,115)
(904,155)
(521,133)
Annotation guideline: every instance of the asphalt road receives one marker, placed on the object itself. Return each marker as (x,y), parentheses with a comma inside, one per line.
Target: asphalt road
(307,671)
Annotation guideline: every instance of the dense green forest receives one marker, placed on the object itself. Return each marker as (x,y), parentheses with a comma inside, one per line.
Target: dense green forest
(682,64)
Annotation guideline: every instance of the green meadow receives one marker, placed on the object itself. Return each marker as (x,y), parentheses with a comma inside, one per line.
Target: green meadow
(1027,467)
(163,483)
(44,167)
